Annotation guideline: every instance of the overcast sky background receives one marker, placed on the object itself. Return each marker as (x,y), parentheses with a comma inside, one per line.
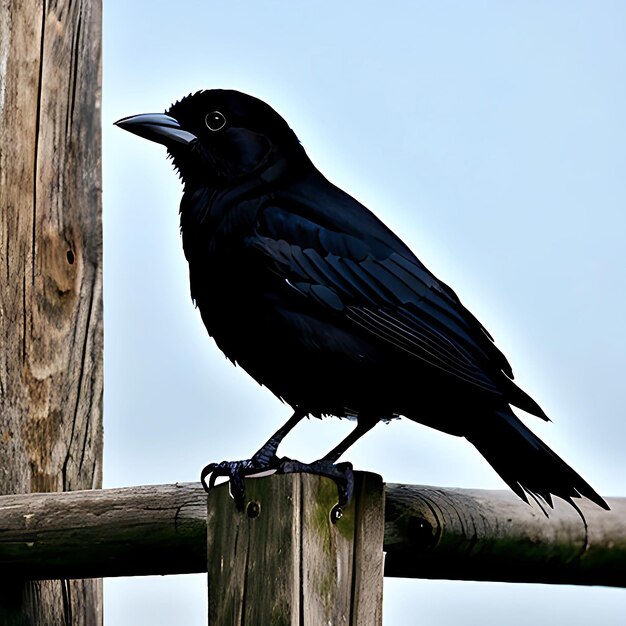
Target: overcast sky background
(490,135)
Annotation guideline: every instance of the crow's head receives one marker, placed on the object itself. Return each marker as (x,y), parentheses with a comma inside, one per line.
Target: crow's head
(218,137)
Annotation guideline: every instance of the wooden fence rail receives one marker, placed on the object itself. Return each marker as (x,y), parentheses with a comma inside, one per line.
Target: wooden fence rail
(429,533)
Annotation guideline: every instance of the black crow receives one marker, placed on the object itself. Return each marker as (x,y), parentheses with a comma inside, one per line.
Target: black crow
(310,293)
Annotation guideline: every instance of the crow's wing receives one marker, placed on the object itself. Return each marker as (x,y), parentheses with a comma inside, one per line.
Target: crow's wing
(385,291)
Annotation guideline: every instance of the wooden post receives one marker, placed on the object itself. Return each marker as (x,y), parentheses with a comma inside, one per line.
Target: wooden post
(284,562)
(50,276)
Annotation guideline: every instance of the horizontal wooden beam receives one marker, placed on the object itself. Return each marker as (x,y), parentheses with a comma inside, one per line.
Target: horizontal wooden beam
(467,534)
(429,533)
(135,531)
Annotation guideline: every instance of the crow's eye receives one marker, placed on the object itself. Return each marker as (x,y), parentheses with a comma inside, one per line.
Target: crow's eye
(215,120)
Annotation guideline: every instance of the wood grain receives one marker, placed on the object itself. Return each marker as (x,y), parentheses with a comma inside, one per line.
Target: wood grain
(429,532)
(50,273)
(152,530)
(290,565)
(474,534)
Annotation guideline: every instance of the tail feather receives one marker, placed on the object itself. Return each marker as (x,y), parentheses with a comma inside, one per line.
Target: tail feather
(527,465)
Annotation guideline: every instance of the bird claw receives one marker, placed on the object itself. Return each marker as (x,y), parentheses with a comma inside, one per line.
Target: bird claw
(237,471)
(341,473)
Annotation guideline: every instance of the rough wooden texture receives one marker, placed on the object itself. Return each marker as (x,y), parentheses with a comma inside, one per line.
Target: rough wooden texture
(290,565)
(492,535)
(367,602)
(429,533)
(50,274)
(112,532)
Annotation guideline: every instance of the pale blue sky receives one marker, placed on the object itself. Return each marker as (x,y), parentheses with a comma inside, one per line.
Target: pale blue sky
(490,135)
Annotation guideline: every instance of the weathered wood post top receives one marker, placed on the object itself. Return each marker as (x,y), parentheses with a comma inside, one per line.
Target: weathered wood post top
(283,560)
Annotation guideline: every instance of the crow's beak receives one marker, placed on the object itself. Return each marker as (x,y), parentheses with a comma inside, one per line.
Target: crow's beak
(157,127)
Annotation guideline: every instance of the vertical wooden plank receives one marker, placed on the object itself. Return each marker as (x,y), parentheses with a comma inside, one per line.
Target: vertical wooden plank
(343,562)
(50,274)
(284,562)
(327,554)
(252,576)
(369,558)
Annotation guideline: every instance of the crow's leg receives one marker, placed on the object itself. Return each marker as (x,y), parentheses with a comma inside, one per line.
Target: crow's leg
(341,473)
(363,426)
(264,460)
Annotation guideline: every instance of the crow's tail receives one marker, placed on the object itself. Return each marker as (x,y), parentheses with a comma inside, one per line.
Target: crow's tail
(527,465)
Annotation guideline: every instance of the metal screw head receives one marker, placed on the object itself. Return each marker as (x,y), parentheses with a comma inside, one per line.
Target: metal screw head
(253,509)
(336,514)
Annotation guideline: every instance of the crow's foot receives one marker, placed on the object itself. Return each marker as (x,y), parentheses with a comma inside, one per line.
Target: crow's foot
(236,471)
(341,473)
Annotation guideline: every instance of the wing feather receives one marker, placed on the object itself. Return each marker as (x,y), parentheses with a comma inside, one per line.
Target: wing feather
(391,297)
